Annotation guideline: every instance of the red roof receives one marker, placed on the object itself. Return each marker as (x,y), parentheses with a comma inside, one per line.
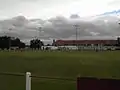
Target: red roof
(71,42)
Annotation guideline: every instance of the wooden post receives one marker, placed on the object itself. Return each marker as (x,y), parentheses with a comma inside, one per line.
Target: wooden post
(78,83)
(28,81)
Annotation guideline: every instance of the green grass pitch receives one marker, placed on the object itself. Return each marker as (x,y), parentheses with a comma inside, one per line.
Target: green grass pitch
(104,64)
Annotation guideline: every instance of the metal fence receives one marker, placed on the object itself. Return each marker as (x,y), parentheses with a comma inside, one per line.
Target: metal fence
(81,83)
(26,81)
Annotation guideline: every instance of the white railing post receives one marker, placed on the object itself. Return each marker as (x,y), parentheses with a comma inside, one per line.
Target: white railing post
(28,81)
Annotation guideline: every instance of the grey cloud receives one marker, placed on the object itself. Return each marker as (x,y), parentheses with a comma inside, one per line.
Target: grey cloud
(75,16)
(60,28)
(114,2)
(29,0)
(48,1)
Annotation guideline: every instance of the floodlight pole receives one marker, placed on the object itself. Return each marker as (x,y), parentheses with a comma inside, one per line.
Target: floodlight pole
(39,31)
(76,28)
(10,41)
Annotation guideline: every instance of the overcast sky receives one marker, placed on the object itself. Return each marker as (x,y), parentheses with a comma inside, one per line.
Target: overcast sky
(50,8)
(24,17)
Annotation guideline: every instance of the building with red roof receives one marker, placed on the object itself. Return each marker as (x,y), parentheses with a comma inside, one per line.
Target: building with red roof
(84,42)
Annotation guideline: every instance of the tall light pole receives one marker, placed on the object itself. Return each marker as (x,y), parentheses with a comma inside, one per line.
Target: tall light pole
(10,39)
(39,29)
(76,28)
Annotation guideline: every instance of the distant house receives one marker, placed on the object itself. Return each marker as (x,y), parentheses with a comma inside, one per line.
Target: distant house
(85,42)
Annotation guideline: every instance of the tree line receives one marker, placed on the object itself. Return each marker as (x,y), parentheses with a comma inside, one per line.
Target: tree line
(7,42)
(36,44)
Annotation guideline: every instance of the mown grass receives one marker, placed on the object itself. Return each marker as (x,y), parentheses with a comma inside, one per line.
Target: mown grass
(56,64)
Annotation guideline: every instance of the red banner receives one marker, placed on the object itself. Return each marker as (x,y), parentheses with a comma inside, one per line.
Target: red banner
(97,84)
